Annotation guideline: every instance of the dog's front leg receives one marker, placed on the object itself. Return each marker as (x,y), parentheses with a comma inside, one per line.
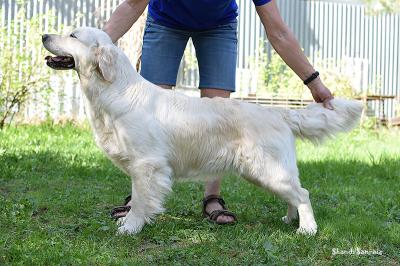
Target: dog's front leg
(151,181)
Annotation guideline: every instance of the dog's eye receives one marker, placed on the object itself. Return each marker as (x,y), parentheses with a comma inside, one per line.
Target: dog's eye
(72,36)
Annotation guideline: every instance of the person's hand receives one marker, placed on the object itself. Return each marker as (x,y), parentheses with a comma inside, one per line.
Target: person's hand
(321,94)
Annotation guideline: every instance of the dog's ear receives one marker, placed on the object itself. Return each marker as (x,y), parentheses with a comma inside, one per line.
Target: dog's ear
(106,59)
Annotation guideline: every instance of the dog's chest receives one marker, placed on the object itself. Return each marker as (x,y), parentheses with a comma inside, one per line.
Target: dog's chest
(110,142)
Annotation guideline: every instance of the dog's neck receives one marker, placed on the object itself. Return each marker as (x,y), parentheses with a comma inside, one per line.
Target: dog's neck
(93,84)
(116,98)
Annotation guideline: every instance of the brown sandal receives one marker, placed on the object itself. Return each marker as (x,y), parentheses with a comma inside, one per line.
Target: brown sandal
(121,211)
(213,216)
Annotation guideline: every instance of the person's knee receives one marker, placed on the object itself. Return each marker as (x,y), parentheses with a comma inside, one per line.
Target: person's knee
(211,93)
(168,87)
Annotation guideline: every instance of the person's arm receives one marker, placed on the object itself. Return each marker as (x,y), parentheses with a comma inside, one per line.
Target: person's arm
(123,18)
(288,48)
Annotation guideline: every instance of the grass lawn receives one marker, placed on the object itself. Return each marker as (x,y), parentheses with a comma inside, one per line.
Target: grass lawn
(57,188)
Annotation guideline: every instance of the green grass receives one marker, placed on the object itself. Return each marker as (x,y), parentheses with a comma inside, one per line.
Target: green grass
(57,188)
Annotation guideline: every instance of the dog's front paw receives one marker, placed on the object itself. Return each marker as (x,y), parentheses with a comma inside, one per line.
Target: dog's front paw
(127,230)
(130,225)
(310,229)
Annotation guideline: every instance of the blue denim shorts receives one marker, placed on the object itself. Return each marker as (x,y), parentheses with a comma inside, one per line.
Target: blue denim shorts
(216,52)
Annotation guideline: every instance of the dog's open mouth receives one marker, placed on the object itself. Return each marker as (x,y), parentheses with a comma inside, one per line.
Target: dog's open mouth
(60,62)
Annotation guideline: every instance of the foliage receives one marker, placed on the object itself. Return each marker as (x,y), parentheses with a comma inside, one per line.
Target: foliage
(275,77)
(335,78)
(23,71)
(189,61)
(56,190)
(382,6)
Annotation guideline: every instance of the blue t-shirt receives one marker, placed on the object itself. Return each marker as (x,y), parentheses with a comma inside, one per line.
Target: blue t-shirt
(195,14)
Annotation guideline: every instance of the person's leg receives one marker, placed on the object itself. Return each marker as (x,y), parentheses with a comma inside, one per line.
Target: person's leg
(213,186)
(164,86)
(162,52)
(216,52)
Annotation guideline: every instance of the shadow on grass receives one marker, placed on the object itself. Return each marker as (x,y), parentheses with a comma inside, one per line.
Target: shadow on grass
(28,165)
(331,183)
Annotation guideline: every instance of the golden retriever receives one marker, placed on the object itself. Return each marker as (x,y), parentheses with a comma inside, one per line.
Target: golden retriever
(155,135)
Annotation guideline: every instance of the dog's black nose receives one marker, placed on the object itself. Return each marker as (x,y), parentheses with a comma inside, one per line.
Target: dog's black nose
(45,37)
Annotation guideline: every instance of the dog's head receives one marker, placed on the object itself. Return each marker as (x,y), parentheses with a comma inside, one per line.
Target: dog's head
(85,50)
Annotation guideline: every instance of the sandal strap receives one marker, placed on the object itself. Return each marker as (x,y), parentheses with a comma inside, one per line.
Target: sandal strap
(210,198)
(215,214)
(119,209)
(127,199)
(116,211)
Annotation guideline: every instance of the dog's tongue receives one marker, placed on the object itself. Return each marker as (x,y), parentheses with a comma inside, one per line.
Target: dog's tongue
(60,62)
(57,59)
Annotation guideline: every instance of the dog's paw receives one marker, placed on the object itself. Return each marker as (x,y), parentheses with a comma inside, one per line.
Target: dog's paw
(123,230)
(307,230)
(128,230)
(130,224)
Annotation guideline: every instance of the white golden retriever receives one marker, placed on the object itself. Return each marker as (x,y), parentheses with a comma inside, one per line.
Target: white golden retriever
(155,135)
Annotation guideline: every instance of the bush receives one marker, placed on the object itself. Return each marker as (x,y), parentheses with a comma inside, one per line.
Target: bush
(276,78)
(376,7)
(23,72)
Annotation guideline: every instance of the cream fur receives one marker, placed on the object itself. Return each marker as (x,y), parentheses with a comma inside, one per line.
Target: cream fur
(155,135)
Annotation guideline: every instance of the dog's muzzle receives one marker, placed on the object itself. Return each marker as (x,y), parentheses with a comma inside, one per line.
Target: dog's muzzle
(58,62)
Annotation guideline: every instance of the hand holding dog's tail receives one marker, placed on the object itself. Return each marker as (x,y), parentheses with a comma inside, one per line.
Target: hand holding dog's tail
(315,123)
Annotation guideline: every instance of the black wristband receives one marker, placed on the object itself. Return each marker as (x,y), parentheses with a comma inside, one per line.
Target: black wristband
(311,78)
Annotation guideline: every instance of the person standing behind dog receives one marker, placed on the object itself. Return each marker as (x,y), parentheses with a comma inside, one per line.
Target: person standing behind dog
(212,25)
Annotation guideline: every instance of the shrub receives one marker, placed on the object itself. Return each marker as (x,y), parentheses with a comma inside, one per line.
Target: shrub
(276,78)
(23,72)
(376,7)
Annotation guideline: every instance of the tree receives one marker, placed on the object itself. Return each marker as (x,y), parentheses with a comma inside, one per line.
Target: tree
(22,69)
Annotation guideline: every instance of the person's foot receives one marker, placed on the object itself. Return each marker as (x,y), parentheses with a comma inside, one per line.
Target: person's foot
(121,211)
(214,210)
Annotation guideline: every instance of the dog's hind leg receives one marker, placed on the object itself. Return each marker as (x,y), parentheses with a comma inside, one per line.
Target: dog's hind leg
(289,189)
(287,186)
(151,182)
(282,180)
(306,214)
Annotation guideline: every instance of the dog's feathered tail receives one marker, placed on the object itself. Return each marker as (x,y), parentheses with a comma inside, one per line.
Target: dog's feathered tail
(315,122)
